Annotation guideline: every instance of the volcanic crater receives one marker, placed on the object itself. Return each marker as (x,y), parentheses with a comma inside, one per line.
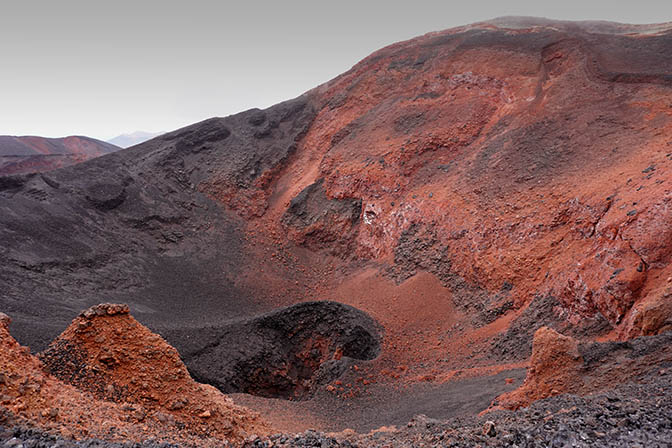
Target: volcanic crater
(284,353)
(467,223)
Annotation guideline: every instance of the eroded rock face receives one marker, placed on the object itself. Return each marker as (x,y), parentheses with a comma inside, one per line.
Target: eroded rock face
(499,150)
(318,222)
(653,315)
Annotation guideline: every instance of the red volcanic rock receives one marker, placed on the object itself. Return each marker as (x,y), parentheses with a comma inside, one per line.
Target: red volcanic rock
(653,315)
(559,364)
(532,156)
(29,395)
(32,154)
(318,222)
(554,369)
(155,397)
(108,353)
(608,280)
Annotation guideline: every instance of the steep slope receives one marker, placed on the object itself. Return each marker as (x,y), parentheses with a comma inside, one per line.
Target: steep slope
(463,188)
(31,154)
(132,227)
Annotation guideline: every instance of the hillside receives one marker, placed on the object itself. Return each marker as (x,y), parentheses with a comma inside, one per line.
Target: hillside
(32,154)
(454,193)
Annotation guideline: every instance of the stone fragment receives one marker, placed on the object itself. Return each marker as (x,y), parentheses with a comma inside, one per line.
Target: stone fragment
(489,429)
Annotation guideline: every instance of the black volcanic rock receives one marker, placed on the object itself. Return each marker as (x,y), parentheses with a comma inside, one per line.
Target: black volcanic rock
(133,226)
(285,353)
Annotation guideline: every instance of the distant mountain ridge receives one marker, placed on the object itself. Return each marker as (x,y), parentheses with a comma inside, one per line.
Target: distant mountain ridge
(29,154)
(134,138)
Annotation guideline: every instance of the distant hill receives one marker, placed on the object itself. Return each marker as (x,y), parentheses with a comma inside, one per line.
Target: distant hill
(134,138)
(29,154)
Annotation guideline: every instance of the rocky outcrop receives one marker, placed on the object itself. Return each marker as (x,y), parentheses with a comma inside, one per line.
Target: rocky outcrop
(109,354)
(652,315)
(320,223)
(560,364)
(108,377)
(554,369)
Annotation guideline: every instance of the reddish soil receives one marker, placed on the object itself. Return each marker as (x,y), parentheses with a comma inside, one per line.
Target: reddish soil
(109,377)
(494,168)
(465,189)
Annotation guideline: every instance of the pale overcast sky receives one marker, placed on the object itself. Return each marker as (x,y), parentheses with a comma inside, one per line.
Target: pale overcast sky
(102,68)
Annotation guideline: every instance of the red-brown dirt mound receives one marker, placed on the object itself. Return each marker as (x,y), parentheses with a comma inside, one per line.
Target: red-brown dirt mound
(559,364)
(554,369)
(115,380)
